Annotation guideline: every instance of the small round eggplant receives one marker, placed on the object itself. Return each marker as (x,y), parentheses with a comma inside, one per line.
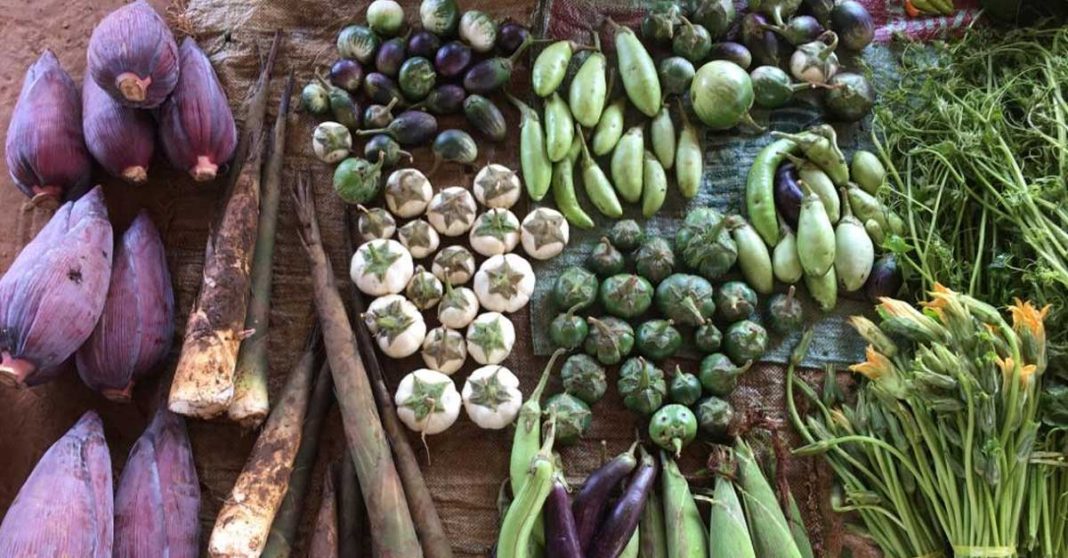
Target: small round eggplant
(675,73)
(491,74)
(692,41)
(381,89)
(412,127)
(385,17)
(386,147)
(510,35)
(716,15)
(445,99)
(378,116)
(417,78)
(767,47)
(342,105)
(454,146)
(485,117)
(734,52)
(853,23)
(315,99)
(788,193)
(850,96)
(452,59)
(885,279)
(390,56)
(772,87)
(423,43)
(799,30)
(357,42)
(347,74)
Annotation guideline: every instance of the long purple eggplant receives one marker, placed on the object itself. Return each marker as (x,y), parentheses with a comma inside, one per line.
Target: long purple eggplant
(561,533)
(621,522)
(591,501)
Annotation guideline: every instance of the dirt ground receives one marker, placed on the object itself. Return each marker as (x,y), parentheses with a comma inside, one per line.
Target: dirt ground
(465,465)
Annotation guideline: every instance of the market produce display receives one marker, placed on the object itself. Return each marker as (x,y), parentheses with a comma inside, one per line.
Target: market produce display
(606,230)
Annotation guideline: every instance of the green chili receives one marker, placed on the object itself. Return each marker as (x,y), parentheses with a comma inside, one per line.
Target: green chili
(760,189)
(524,512)
(528,430)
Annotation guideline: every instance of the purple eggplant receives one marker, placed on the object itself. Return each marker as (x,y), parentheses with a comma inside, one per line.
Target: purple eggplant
(561,534)
(379,116)
(734,52)
(412,127)
(510,36)
(767,47)
(853,23)
(445,99)
(491,74)
(885,279)
(423,43)
(390,56)
(788,193)
(452,59)
(799,30)
(821,9)
(381,89)
(592,500)
(347,74)
(619,526)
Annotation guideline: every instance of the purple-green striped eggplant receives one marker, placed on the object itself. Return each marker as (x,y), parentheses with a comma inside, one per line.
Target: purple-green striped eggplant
(134,331)
(53,294)
(65,507)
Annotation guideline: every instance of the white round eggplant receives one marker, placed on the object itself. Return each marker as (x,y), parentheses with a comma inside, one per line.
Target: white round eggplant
(544,233)
(497,186)
(419,238)
(490,338)
(331,142)
(424,290)
(495,232)
(491,397)
(454,265)
(427,401)
(407,192)
(504,283)
(375,223)
(458,307)
(381,267)
(397,325)
(478,30)
(452,211)
(444,350)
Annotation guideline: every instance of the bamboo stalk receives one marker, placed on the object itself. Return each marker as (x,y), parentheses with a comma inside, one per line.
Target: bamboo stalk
(283,533)
(324,540)
(425,515)
(204,376)
(351,514)
(245,518)
(250,403)
(387,509)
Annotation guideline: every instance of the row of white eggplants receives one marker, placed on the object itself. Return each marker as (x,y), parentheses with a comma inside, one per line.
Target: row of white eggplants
(427,399)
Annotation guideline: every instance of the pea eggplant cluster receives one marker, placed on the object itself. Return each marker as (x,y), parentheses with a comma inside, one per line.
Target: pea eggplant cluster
(599,301)
(822,218)
(449,66)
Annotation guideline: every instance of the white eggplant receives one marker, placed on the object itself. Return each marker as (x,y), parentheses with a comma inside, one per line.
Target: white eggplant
(545,233)
(397,325)
(497,186)
(444,350)
(381,267)
(407,192)
(427,401)
(458,307)
(495,232)
(490,338)
(452,211)
(478,30)
(491,397)
(419,238)
(424,290)
(375,223)
(504,283)
(331,142)
(454,265)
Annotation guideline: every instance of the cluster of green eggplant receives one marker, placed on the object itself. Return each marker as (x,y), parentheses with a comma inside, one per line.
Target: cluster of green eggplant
(774,42)
(821,217)
(578,100)
(452,65)
(597,303)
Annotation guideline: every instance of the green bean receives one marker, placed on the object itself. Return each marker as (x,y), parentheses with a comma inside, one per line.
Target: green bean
(589,88)
(784,262)
(760,189)
(823,289)
(815,235)
(626,165)
(753,257)
(686,536)
(559,128)
(564,189)
(654,185)
(537,171)
(662,136)
(515,540)
(637,70)
(689,158)
(598,187)
(653,538)
(550,67)
(609,128)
